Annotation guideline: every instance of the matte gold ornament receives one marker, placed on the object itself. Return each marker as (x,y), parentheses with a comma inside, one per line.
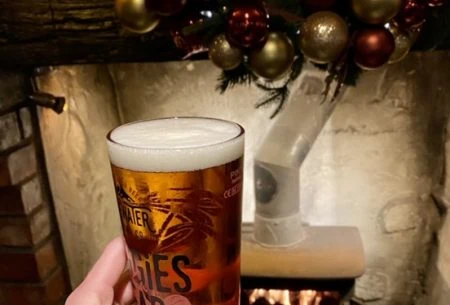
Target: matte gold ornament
(223,54)
(135,17)
(274,59)
(376,11)
(403,43)
(323,37)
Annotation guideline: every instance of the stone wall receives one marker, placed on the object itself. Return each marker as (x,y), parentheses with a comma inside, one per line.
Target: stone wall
(373,166)
(32,268)
(437,285)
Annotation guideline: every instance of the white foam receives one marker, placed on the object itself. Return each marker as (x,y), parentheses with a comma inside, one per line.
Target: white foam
(175,144)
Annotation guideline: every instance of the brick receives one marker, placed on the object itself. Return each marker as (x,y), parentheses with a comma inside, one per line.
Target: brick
(17,166)
(21,199)
(50,292)
(9,131)
(12,88)
(25,230)
(33,265)
(25,121)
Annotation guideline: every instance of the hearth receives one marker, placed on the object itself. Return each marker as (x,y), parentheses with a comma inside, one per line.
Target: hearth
(377,168)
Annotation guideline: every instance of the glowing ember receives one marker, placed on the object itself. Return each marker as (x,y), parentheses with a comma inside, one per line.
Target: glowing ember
(286,297)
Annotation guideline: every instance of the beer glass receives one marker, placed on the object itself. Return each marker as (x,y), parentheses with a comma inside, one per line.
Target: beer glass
(178,185)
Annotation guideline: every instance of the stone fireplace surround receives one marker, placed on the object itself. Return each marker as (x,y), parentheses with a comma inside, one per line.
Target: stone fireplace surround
(33,266)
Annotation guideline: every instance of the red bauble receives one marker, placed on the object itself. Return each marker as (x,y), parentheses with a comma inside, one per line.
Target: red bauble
(373,47)
(193,14)
(434,3)
(165,7)
(319,5)
(247,25)
(412,14)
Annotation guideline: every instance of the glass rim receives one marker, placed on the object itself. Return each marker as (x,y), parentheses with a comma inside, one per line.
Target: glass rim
(240,134)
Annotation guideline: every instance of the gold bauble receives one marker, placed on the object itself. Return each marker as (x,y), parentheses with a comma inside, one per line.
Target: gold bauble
(323,37)
(376,11)
(274,59)
(223,54)
(403,43)
(135,17)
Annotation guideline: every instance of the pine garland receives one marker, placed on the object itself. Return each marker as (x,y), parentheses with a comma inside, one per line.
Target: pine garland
(287,16)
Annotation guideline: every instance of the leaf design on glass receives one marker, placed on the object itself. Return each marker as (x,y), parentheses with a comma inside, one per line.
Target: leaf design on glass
(175,236)
(206,202)
(195,212)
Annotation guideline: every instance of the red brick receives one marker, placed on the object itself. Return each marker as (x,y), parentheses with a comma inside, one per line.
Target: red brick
(50,292)
(22,231)
(32,265)
(21,199)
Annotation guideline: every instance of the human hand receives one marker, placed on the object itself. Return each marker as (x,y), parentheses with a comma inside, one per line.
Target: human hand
(108,282)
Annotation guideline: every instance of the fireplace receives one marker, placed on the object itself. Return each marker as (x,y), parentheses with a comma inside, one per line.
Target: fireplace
(379,165)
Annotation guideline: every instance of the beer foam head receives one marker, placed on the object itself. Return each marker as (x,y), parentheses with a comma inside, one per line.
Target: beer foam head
(175,144)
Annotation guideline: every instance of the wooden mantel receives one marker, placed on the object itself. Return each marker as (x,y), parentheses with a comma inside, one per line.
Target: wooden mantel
(52,32)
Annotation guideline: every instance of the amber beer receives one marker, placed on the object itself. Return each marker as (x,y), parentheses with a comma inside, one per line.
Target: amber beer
(178,183)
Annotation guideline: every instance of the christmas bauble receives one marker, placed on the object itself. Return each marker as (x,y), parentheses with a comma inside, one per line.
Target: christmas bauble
(223,54)
(192,43)
(166,7)
(135,17)
(373,47)
(319,5)
(247,25)
(323,37)
(434,3)
(403,43)
(376,11)
(274,59)
(412,14)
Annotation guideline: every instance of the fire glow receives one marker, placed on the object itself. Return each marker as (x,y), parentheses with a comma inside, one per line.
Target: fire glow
(287,297)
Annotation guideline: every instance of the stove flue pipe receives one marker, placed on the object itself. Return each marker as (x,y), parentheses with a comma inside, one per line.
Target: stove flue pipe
(277,165)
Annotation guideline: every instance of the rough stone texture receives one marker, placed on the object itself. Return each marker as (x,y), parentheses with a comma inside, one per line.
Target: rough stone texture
(377,157)
(9,131)
(373,286)
(401,214)
(374,167)
(77,160)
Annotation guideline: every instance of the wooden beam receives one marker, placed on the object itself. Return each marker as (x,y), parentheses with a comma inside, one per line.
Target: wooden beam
(53,32)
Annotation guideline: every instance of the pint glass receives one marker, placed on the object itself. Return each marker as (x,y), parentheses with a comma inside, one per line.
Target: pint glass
(178,185)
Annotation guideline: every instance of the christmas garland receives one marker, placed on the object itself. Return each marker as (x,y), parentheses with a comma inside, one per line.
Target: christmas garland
(267,43)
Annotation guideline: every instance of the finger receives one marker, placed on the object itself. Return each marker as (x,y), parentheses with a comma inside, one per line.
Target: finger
(97,288)
(110,266)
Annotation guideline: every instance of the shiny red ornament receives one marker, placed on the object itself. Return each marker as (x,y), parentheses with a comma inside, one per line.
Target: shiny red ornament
(373,47)
(313,6)
(434,3)
(166,7)
(247,25)
(412,14)
(191,43)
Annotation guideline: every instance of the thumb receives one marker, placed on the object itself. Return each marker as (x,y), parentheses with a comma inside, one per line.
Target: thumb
(98,287)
